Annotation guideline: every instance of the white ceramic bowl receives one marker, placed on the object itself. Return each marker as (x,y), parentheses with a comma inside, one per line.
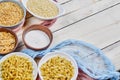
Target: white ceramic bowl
(23,55)
(61,10)
(61,54)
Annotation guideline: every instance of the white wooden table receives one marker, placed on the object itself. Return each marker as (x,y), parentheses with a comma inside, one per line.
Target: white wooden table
(94,21)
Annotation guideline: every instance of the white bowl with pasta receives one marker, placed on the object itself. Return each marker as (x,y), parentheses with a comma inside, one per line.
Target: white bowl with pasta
(57,66)
(16,64)
(37,10)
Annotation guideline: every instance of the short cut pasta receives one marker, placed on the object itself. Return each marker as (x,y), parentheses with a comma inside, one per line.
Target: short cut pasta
(16,68)
(57,68)
(7,42)
(10,13)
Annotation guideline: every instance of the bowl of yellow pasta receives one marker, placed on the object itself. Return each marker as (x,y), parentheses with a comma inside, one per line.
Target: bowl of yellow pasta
(18,66)
(57,66)
(8,41)
(43,9)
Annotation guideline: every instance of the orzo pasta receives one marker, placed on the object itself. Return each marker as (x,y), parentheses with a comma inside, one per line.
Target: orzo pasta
(43,8)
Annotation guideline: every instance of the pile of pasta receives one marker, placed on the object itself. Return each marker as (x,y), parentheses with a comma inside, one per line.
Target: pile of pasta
(7,42)
(43,8)
(10,13)
(16,68)
(57,68)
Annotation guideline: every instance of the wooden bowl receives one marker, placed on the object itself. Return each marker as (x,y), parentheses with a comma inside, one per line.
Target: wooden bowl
(41,28)
(16,39)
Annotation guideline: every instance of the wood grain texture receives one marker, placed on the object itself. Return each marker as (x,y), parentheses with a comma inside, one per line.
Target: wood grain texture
(98,29)
(83,13)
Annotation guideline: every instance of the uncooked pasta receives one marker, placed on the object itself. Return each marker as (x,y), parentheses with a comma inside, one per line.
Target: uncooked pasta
(43,8)
(10,13)
(7,42)
(57,68)
(16,68)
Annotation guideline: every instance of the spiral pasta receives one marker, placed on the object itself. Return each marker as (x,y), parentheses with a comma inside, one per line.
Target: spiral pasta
(57,68)
(16,68)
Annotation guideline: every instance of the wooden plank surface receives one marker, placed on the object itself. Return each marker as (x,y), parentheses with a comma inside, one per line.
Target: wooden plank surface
(83,13)
(95,29)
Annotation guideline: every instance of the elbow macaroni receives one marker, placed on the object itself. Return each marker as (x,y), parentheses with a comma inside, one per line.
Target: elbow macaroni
(57,68)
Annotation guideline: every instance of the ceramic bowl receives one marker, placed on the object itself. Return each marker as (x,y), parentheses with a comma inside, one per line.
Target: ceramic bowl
(61,54)
(34,65)
(60,8)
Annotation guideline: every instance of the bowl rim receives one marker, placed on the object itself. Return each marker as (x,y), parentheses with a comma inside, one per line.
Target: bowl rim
(50,55)
(60,8)
(16,38)
(34,65)
(24,13)
(41,28)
